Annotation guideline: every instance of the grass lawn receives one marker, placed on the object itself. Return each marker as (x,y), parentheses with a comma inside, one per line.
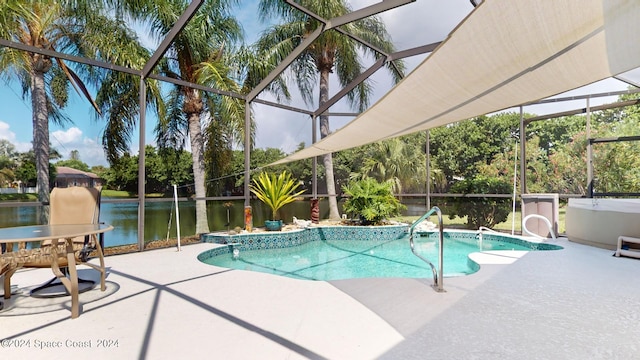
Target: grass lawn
(124,194)
(20,197)
(117,193)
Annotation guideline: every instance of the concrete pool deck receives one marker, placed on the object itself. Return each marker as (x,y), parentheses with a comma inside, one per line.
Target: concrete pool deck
(576,303)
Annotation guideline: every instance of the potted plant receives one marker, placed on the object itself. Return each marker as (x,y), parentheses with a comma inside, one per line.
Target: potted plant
(371,201)
(275,192)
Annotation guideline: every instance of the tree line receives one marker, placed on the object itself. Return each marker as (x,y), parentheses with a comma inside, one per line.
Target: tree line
(486,147)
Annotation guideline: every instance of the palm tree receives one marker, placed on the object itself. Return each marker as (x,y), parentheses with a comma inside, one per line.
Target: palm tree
(331,52)
(117,94)
(393,161)
(201,41)
(62,26)
(225,128)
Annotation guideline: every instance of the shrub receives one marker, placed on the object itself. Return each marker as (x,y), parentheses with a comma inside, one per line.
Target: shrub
(481,211)
(371,201)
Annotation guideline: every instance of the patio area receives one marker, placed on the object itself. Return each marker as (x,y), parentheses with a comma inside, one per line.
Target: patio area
(580,302)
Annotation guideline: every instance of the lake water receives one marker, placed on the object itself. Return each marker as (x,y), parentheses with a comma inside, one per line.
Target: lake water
(160,217)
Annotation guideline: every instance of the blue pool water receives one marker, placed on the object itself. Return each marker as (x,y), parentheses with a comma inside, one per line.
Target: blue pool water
(347,259)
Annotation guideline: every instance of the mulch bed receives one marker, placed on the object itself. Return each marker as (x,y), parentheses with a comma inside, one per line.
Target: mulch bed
(155,244)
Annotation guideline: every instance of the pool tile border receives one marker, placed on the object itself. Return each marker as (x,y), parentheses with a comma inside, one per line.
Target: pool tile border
(286,239)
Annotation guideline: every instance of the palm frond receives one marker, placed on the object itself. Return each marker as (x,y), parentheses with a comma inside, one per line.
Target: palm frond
(77,83)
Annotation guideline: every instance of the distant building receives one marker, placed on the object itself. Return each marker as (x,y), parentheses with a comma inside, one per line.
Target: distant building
(67,177)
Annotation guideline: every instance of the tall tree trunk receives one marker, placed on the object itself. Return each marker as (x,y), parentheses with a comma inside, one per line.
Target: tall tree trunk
(327,159)
(40,121)
(194,109)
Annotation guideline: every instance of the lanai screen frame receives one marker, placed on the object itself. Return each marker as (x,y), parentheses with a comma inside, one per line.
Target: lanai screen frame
(145,72)
(328,24)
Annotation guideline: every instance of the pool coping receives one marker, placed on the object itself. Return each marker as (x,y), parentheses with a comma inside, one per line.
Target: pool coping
(265,240)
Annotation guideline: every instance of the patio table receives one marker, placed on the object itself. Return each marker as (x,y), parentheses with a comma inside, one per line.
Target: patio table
(39,233)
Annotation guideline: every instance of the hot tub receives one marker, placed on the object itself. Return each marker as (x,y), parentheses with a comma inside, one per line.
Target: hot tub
(599,222)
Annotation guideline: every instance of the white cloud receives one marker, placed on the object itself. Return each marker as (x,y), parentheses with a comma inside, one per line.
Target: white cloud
(70,136)
(7,134)
(90,150)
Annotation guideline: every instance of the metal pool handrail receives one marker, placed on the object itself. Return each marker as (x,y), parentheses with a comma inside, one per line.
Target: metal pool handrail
(437,274)
(481,229)
(546,221)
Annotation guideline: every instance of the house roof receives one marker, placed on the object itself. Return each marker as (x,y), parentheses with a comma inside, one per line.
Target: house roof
(67,172)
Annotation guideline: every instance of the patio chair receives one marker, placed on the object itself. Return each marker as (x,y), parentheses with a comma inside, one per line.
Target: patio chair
(73,205)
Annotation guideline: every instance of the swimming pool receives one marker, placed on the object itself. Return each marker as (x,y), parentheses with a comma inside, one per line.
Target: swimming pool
(327,259)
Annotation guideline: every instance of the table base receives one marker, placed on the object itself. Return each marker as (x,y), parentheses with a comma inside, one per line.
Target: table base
(54,288)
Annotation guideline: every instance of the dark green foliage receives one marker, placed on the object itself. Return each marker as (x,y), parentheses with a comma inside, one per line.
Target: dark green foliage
(218,161)
(371,201)
(460,148)
(302,170)
(163,168)
(74,164)
(25,169)
(123,174)
(26,173)
(481,211)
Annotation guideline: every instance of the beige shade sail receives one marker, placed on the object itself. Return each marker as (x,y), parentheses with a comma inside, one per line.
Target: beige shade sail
(505,53)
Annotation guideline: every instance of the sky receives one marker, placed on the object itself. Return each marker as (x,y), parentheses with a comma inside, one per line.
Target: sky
(415,24)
